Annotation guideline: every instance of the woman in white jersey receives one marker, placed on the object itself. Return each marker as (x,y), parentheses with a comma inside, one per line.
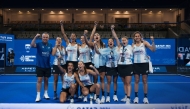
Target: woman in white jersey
(98,60)
(68,86)
(72,47)
(111,55)
(141,65)
(84,54)
(58,53)
(88,86)
(125,64)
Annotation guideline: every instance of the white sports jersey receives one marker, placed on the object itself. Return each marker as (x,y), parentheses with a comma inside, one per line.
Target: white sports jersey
(85,79)
(84,54)
(68,80)
(71,52)
(61,53)
(140,55)
(125,55)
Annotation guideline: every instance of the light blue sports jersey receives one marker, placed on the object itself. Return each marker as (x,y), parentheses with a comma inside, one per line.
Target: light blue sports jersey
(61,53)
(72,52)
(43,55)
(67,81)
(111,56)
(85,79)
(99,60)
(84,54)
(140,55)
(125,55)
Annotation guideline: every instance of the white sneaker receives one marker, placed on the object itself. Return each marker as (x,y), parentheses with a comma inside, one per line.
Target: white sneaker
(98,101)
(46,96)
(103,99)
(145,100)
(37,99)
(124,99)
(128,101)
(91,102)
(71,101)
(80,97)
(136,100)
(108,99)
(85,99)
(115,98)
(94,96)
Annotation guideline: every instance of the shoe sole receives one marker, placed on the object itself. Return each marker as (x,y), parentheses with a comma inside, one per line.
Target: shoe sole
(38,101)
(46,98)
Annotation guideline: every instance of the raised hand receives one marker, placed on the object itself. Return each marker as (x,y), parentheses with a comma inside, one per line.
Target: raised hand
(85,32)
(37,35)
(112,26)
(152,38)
(61,22)
(95,22)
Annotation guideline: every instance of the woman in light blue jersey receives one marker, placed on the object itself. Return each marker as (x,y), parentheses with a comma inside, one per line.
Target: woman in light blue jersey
(111,56)
(59,53)
(125,64)
(68,85)
(98,60)
(72,47)
(88,86)
(141,65)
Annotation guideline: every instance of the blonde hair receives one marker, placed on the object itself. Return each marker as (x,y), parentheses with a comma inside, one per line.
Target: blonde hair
(137,32)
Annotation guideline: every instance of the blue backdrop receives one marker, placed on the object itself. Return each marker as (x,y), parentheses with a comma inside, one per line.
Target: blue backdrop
(164,55)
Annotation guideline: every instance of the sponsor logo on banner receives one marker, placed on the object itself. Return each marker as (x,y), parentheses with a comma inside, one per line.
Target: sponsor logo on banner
(27,48)
(27,58)
(6,38)
(163,46)
(25,69)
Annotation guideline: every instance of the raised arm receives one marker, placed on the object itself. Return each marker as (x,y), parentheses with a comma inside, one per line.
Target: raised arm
(151,47)
(33,43)
(115,36)
(78,81)
(59,66)
(63,33)
(90,44)
(93,31)
(95,72)
(96,48)
(55,48)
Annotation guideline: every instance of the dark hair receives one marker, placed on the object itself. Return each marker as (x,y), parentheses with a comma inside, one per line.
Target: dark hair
(85,72)
(137,32)
(68,65)
(75,36)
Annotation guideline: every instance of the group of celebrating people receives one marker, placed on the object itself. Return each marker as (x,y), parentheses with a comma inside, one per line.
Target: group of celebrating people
(80,65)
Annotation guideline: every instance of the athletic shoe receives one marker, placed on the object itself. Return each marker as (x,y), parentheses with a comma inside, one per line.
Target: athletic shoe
(145,100)
(128,101)
(124,99)
(108,99)
(37,99)
(94,96)
(80,97)
(71,101)
(115,98)
(46,96)
(136,100)
(55,96)
(91,102)
(98,101)
(102,99)
(85,99)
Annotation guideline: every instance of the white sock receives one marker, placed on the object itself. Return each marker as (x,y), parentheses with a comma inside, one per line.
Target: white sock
(45,92)
(38,94)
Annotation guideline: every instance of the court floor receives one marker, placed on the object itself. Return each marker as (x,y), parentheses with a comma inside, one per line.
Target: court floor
(162,89)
